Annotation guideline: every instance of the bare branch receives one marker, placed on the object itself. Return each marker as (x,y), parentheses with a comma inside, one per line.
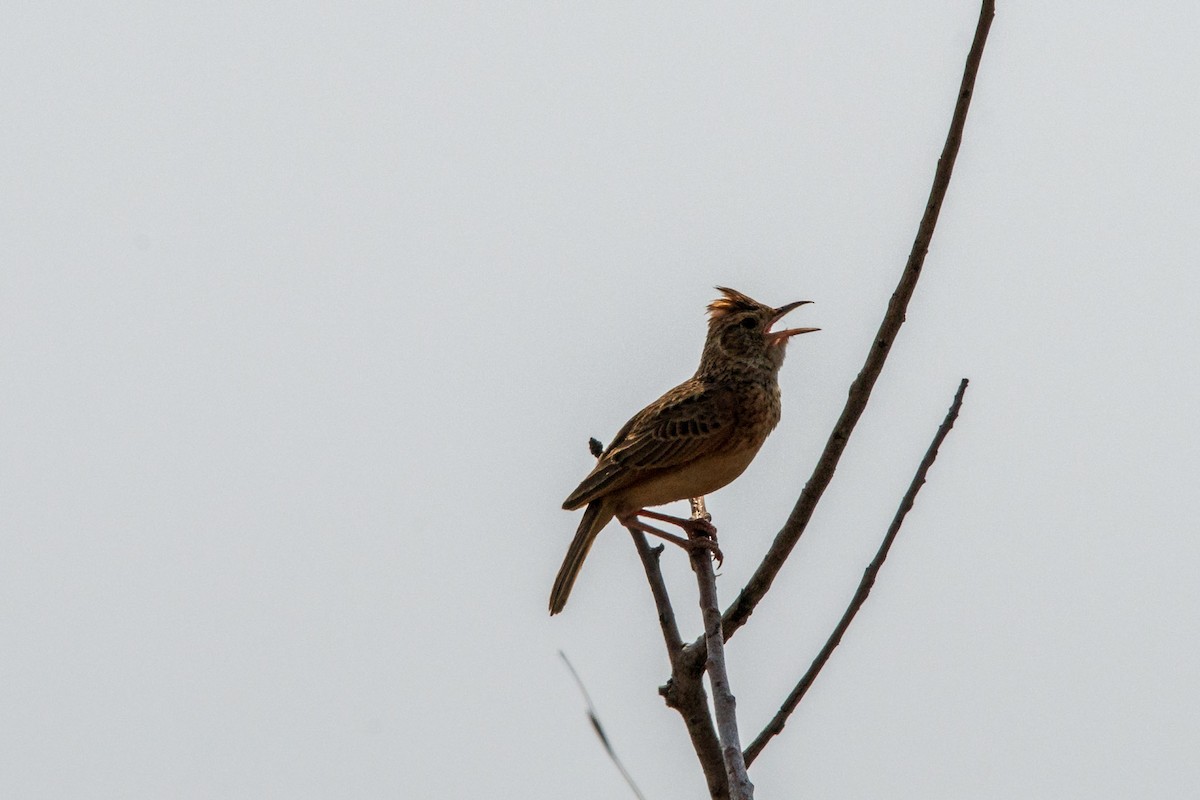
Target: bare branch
(860,391)
(684,692)
(740,787)
(658,588)
(775,726)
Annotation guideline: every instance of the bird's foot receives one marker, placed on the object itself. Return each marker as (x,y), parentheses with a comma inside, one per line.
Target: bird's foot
(702,541)
(701,526)
(701,533)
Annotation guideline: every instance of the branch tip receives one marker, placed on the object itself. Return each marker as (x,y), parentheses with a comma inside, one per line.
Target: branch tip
(775,726)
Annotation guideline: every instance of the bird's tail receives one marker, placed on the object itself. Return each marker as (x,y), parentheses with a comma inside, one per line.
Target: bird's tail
(595,517)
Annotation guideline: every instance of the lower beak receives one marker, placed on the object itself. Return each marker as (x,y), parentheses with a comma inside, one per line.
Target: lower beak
(779,337)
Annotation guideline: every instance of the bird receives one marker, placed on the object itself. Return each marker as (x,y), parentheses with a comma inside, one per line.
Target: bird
(692,441)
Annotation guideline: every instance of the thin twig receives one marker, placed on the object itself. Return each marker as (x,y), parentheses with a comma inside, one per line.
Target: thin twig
(684,692)
(775,726)
(658,589)
(594,718)
(860,391)
(740,787)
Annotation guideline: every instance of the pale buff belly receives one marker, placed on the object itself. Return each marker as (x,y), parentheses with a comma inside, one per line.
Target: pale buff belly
(698,478)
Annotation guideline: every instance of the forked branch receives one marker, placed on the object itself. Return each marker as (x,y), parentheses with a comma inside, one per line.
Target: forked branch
(684,692)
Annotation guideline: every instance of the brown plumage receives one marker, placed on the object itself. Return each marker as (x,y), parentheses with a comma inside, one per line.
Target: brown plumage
(694,439)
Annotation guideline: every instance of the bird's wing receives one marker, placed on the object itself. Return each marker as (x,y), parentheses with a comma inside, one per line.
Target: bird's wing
(686,423)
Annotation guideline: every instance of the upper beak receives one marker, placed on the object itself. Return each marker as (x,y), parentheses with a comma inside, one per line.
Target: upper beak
(778,337)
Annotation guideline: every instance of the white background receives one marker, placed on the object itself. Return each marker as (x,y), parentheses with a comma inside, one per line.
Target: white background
(307,314)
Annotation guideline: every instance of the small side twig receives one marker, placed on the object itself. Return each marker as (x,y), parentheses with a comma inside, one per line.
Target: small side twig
(775,726)
(594,718)
(724,703)
(860,390)
(658,590)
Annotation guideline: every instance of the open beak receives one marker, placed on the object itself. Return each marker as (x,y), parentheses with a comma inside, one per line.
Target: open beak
(780,337)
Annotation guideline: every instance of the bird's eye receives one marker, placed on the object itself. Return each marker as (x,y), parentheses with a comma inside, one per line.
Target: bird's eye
(748,323)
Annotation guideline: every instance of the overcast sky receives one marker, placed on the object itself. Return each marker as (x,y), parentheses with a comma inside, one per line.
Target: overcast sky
(307,314)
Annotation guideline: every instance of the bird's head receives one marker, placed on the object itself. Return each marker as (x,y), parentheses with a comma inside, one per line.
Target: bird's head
(739,330)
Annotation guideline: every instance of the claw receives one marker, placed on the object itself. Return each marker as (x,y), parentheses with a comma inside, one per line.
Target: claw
(703,542)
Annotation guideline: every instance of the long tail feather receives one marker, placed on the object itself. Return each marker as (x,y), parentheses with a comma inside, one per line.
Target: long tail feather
(595,517)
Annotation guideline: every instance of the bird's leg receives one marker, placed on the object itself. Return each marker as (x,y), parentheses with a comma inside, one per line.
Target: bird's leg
(631,521)
(697,530)
(697,526)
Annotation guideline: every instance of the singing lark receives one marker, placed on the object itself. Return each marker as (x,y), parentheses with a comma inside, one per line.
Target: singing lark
(694,439)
